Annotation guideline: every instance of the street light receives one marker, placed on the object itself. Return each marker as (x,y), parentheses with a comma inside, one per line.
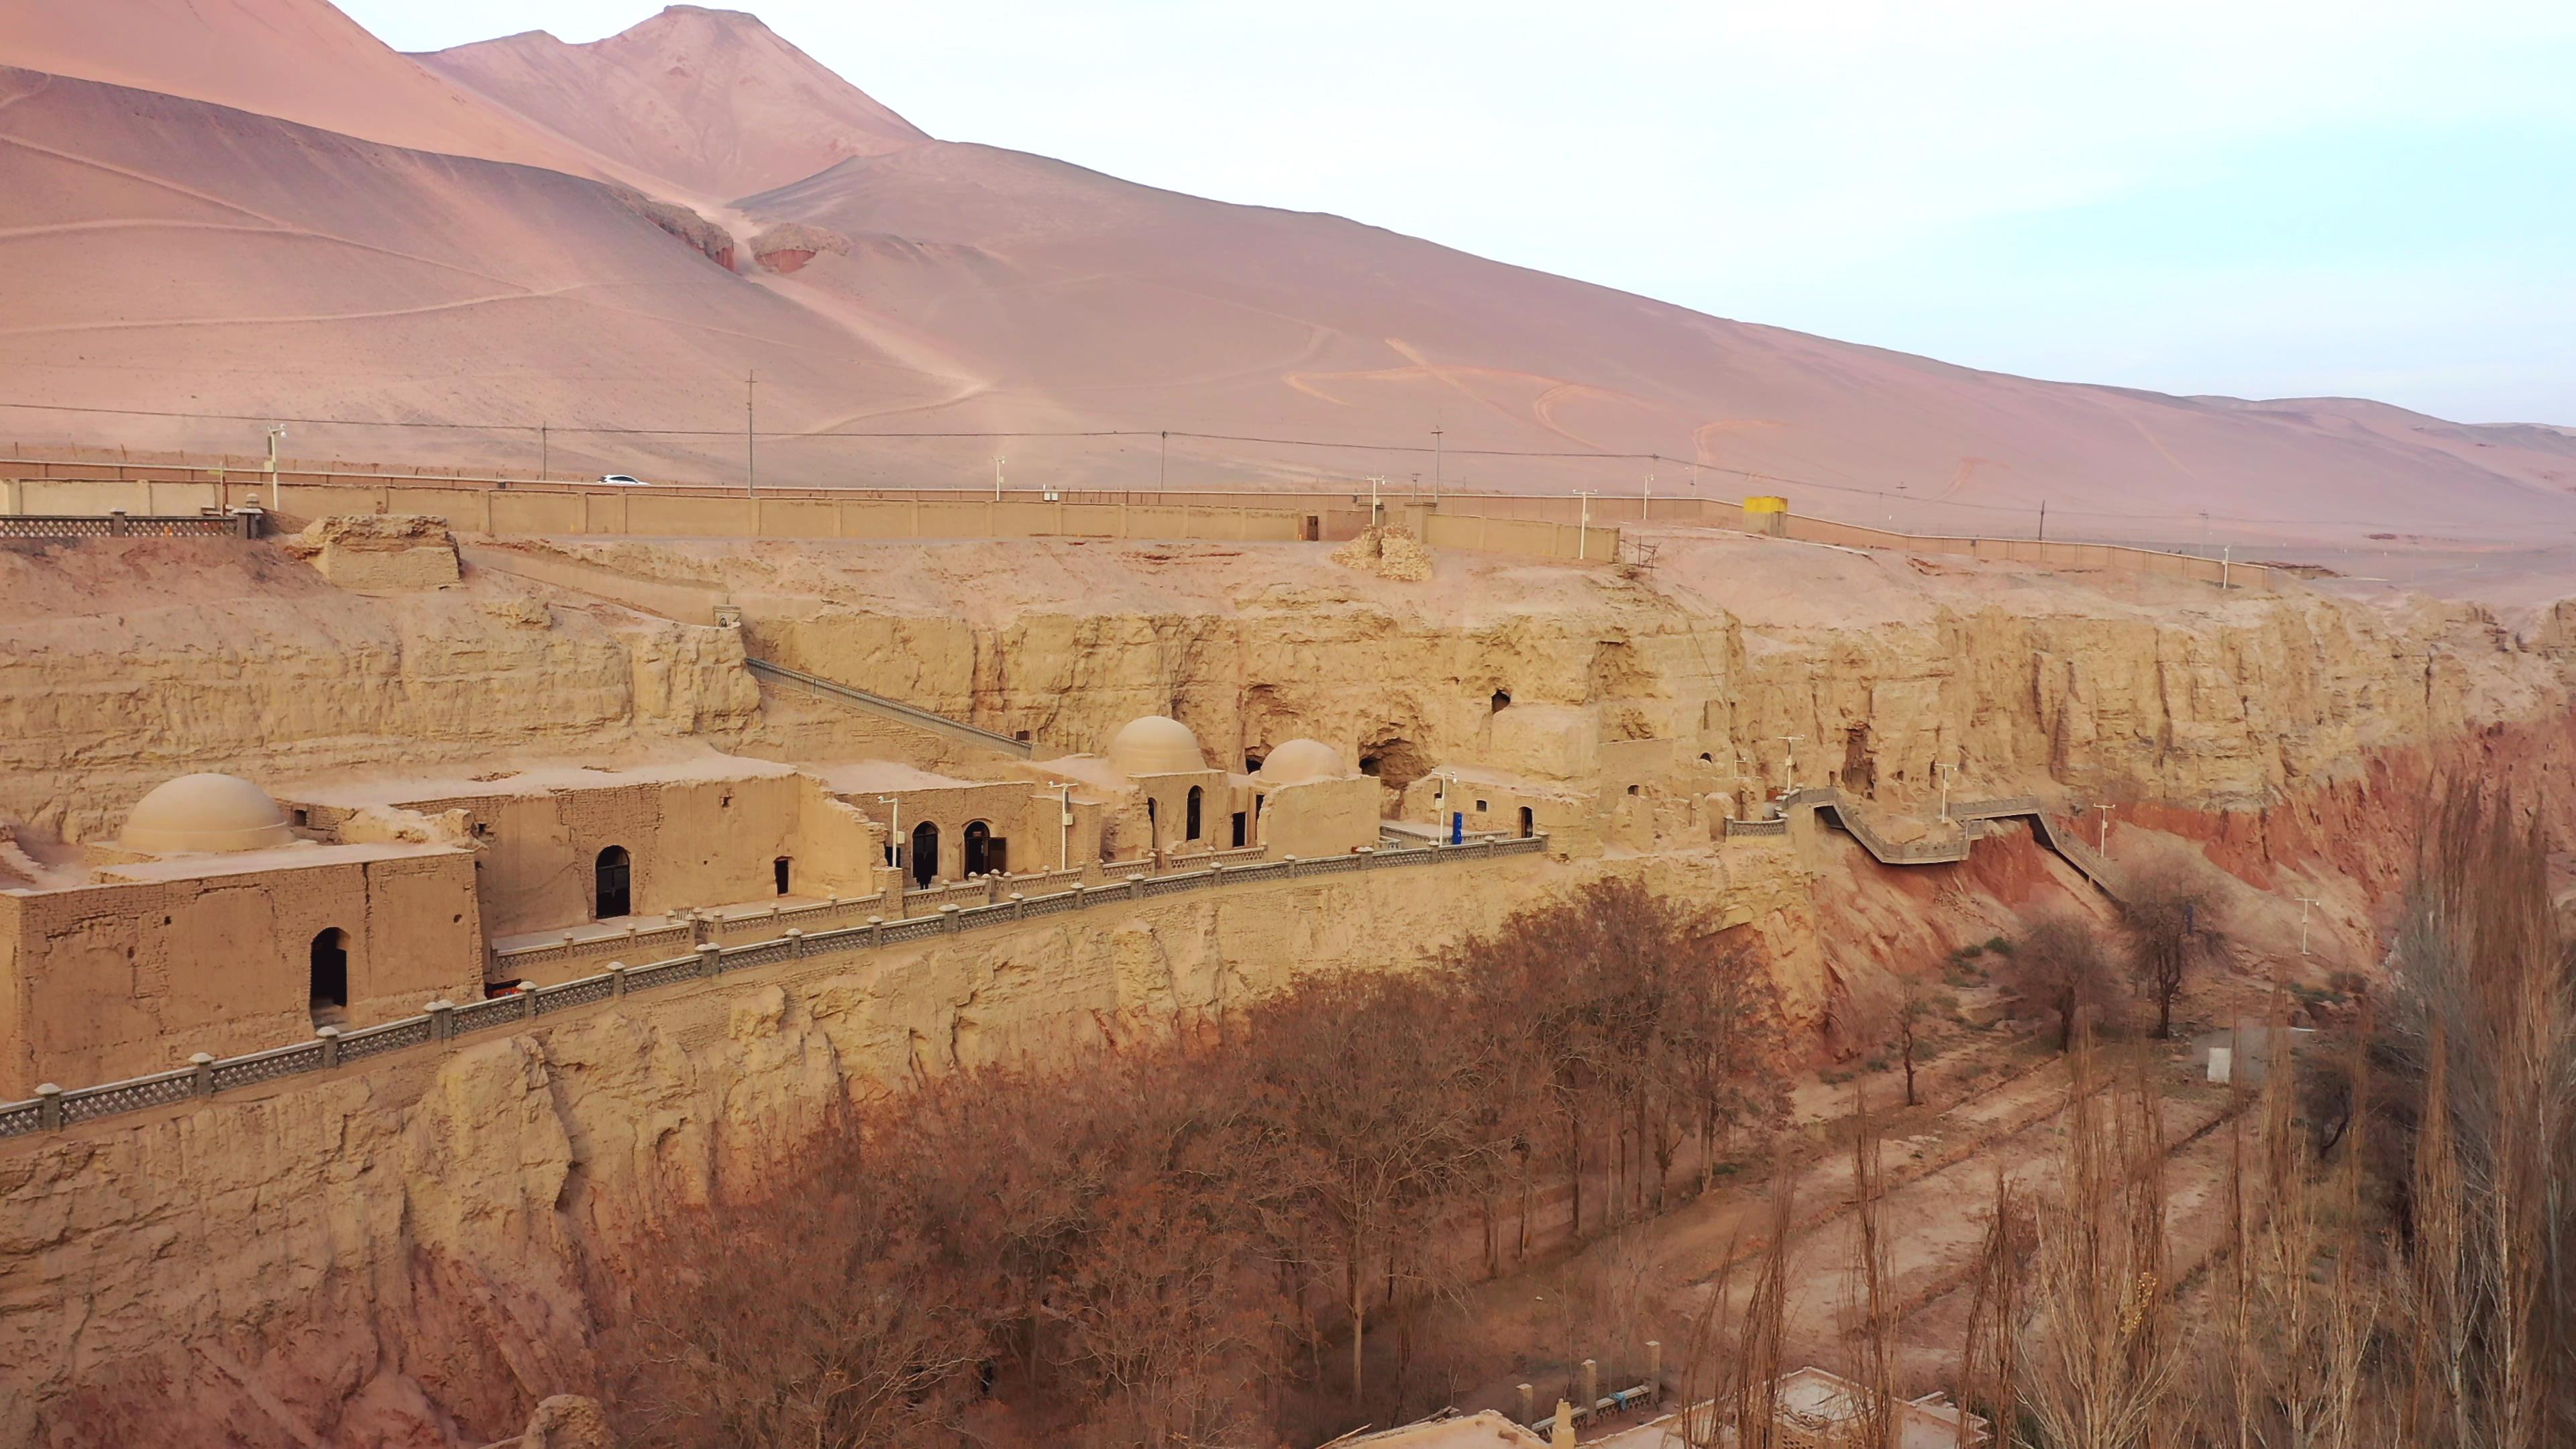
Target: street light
(2102,841)
(1792,742)
(894,828)
(273,435)
(1947,773)
(1064,818)
(2305,905)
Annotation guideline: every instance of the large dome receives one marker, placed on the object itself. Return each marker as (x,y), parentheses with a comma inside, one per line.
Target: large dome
(1155,745)
(206,812)
(1297,761)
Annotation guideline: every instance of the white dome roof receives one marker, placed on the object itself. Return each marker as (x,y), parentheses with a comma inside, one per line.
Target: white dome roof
(1295,762)
(1155,745)
(206,812)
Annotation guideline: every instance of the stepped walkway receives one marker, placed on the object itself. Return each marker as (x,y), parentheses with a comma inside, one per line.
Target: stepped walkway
(893,709)
(1830,801)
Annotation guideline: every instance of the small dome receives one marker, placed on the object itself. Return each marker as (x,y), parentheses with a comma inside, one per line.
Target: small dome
(1155,745)
(206,812)
(1298,761)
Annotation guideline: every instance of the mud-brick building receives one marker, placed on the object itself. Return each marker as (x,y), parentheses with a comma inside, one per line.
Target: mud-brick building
(212,925)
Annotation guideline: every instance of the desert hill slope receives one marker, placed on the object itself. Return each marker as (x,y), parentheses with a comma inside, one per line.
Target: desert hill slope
(170,253)
(711,99)
(951,289)
(298,60)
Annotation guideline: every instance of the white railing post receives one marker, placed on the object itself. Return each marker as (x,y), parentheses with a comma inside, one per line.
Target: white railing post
(616,980)
(948,923)
(204,1062)
(442,1019)
(49,1106)
(330,1036)
(710,957)
(795,943)
(1019,906)
(876,932)
(527,1001)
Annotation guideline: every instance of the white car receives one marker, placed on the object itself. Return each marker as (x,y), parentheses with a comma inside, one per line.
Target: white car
(623,480)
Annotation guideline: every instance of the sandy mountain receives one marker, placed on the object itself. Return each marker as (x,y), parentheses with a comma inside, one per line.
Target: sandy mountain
(299,60)
(166,254)
(1139,308)
(711,99)
(170,254)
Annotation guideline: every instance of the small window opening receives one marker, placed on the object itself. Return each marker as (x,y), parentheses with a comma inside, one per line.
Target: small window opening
(1632,789)
(1482,807)
(1192,833)
(779,872)
(303,818)
(1707,760)
(330,994)
(1502,700)
(1368,765)
(1242,828)
(1251,764)
(1021,735)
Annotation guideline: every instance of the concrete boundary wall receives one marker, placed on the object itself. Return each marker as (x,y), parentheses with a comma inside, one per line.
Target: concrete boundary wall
(2119,557)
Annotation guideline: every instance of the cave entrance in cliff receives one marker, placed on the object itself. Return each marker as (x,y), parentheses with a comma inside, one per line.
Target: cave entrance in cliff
(330,975)
(985,854)
(925,853)
(611,892)
(1394,761)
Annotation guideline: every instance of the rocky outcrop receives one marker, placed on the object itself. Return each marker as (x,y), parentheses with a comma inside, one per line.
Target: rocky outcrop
(379,553)
(786,246)
(711,240)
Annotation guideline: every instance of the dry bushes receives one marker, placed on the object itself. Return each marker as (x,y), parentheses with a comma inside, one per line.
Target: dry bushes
(2060,969)
(1158,1244)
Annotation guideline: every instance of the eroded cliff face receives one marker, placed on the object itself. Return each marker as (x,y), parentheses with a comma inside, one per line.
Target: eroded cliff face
(1881,667)
(125,662)
(406,1253)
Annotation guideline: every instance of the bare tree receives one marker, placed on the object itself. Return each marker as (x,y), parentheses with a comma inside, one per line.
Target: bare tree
(2059,967)
(2169,923)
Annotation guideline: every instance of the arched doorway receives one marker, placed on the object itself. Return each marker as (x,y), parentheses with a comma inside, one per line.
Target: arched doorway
(925,853)
(1153,826)
(979,848)
(1529,822)
(1193,832)
(612,884)
(330,974)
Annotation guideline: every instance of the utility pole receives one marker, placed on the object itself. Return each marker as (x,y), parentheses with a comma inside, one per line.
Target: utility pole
(1792,742)
(2305,905)
(2043,520)
(1163,463)
(273,435)
(1064,819)
(894,829)
(1435,464)
(542,458)
(750,462)
(1647,511)
(997,477)
(2102,840)
(1375,517)
(1583,528)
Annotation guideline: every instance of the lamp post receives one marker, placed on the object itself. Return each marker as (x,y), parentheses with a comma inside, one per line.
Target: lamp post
(1792,742)
(2306,904)
(1064,820)
(2102,840)
(1583,525)
(894,829)
(273,435)
(1947,773)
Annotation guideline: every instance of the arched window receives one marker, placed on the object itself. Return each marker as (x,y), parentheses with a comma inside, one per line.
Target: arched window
(979,840)
(330,974)
(612,884)
(1193,832)
(925,853)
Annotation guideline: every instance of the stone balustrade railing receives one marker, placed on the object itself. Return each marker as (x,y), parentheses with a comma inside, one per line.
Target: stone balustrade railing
(54,1108)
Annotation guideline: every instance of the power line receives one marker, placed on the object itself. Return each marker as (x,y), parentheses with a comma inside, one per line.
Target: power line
(541,430)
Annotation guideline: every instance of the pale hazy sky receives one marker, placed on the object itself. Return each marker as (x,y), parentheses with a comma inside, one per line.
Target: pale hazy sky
(2258,197)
